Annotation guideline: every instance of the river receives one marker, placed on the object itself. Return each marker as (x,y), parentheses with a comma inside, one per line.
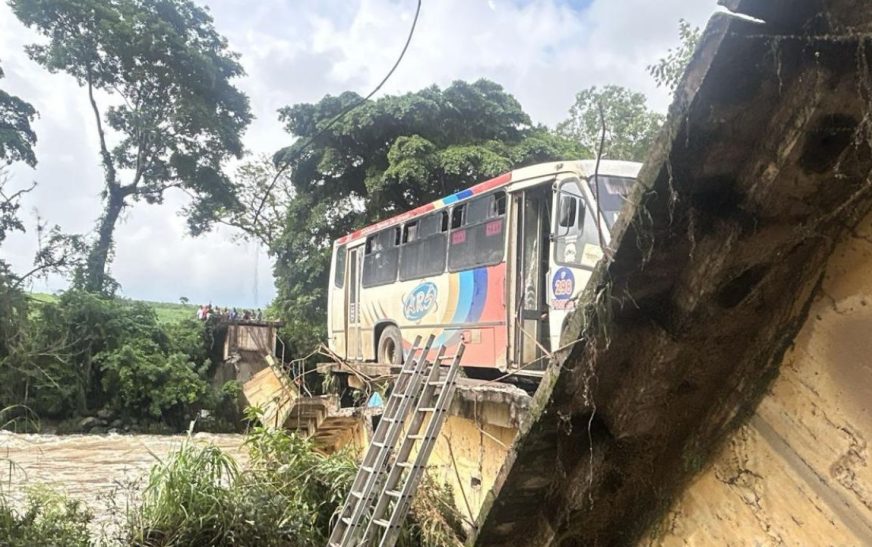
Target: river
(91,467)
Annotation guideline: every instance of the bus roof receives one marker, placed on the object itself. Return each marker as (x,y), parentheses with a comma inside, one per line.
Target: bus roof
(585,168)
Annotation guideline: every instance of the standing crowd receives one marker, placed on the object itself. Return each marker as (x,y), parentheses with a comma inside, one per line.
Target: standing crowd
(206,312)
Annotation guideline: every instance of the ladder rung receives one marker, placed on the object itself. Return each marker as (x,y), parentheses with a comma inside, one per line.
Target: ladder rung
(418,437)
(382,522)
(357,494)
(367,468)
(393,493)
(428,409)
(405,465)
(346,520)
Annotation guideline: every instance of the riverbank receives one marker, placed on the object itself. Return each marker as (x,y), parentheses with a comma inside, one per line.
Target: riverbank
(97,470)
(266,488)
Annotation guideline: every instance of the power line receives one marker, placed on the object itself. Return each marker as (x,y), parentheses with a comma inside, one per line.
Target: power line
(339,116)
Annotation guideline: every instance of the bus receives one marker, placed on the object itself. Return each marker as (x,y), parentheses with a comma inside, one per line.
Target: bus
(498,266)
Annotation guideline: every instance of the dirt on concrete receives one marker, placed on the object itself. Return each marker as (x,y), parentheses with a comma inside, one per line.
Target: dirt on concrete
(798,472)
(762,168)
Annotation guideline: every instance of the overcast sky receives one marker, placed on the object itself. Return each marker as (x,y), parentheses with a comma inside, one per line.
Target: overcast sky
(543,52)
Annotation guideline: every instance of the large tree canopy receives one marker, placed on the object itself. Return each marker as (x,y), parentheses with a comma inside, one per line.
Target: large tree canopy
(630,125)
(174,111)
(16,135)
(382,158)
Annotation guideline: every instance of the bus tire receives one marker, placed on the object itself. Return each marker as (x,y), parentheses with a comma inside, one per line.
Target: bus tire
(390,346)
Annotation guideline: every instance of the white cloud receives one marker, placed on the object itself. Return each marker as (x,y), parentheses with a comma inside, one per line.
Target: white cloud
(541,51)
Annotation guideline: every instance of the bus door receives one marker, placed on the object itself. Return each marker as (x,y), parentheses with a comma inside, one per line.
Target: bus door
(352,305)
(531,336)
(576,252)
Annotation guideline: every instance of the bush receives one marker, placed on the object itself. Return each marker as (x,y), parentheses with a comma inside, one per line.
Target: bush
(140,379)
(48,519)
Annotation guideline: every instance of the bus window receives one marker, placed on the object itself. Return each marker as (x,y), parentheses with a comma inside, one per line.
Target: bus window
(613,191)
(339,274)
(410,231)
(425,255)
(479,238)
(576,225)
(381,257)
(457,216)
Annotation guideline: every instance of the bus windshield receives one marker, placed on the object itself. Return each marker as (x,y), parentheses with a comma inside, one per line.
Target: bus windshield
(613,191)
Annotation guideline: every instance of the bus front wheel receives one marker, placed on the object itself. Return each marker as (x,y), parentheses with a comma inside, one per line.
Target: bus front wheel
(390,346)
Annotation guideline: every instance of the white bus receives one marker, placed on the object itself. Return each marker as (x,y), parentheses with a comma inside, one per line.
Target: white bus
(497,266)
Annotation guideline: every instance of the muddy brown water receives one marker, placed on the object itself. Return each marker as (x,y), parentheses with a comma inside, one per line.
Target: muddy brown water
(91,467)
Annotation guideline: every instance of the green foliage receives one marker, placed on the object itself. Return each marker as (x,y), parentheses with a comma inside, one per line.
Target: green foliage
(667,71)
(175,112)
(17,137)
(48,519)
(630,125)
(81,352)
(139,376)
(287,496)
(383,158)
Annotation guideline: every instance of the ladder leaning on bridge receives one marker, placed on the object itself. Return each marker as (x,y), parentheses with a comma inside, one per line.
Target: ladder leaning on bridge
(382,490)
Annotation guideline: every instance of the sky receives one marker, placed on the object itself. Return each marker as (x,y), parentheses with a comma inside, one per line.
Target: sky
(541,51)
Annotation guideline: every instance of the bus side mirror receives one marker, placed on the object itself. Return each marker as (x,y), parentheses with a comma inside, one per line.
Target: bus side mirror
(568,211)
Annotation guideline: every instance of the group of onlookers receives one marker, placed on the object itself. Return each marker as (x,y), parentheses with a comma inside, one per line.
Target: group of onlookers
(206,312)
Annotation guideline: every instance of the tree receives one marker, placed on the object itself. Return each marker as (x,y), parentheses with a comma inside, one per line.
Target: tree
(17,137)
(385,157)
(630,125)
(667,72)
(175,113)
(264,192)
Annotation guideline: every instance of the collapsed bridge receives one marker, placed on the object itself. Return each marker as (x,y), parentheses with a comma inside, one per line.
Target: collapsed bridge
(762,170)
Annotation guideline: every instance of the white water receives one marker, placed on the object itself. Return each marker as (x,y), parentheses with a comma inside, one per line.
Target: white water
(90,467)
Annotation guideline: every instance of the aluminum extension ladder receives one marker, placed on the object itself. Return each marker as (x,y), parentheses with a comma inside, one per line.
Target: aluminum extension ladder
(383,488)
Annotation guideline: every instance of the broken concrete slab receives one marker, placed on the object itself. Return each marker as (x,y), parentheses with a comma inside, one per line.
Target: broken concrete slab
(763,165)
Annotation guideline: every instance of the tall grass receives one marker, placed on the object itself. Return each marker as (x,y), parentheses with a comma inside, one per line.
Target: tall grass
(286,496)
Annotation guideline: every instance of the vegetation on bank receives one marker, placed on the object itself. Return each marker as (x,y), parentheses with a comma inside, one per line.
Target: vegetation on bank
(287,495)
(95,362)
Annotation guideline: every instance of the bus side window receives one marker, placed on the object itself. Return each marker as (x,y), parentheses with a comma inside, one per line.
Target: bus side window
(458,215)
(424,255)
(381,258)
(339,274)
(478,239)
(410,232)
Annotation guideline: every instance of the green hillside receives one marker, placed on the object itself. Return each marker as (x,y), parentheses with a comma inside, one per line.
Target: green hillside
(167,312)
